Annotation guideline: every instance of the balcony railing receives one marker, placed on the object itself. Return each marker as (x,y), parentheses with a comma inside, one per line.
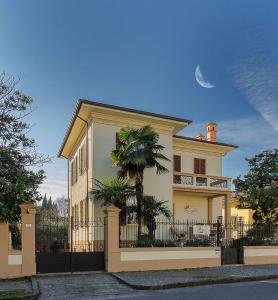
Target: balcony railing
(201,181)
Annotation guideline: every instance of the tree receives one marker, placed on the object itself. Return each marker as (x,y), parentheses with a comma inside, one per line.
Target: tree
(137,150)
(19,183)
(152,208)
(44,202)
(115,191)
(62,205)
(258,190)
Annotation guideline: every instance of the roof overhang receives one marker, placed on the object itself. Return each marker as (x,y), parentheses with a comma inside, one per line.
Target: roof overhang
(89,110)
(197,145)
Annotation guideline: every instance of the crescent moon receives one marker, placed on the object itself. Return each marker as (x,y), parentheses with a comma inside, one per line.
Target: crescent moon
(201,80)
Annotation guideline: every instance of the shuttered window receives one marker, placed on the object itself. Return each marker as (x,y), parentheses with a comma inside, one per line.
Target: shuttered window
(81,213)
(177,163)
(199,166)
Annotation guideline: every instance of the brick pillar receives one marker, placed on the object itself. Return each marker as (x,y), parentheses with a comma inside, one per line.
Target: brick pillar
(112,255)
(28,212)
(4,249)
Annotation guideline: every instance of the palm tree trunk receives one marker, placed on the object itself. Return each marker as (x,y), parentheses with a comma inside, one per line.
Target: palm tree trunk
(139,198)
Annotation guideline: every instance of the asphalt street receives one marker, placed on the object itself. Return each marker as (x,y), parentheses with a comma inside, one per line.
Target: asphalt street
(259,290)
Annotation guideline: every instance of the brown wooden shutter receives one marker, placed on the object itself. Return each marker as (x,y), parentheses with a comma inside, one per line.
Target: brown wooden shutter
(199,166)
(196,165)
(177,163)
(202,166)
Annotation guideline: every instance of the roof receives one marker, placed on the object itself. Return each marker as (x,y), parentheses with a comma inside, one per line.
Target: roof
(80,102)
(136,111)
(206,142)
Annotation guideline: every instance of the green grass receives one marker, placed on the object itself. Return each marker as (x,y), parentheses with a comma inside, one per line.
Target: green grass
(15,293)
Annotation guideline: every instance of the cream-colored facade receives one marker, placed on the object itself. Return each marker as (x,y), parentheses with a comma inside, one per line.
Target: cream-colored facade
(189,195)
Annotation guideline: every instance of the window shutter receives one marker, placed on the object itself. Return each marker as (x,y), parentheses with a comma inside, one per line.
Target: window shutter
(196,165)
(202,166)
(199,166)
(177,163)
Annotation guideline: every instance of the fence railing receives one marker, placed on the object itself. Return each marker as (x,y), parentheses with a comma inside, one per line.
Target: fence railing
(188,233)
(201,181)
(62,234)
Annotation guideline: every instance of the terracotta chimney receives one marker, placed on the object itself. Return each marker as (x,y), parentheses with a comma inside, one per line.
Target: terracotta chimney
(200,137)
(211,132)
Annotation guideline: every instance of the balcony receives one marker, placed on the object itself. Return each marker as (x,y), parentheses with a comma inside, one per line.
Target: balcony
(197,181)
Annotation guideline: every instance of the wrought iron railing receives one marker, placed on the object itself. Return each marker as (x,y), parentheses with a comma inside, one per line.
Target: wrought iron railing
(201,181)
(56,233)
(191,233)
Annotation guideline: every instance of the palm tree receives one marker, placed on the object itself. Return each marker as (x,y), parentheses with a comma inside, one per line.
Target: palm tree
(137,150)
(114,191)
(152,208)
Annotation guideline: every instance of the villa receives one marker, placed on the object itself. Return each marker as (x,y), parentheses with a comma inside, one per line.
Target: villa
(194,187)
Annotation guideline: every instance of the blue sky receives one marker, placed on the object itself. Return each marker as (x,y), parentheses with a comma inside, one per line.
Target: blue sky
(143,54)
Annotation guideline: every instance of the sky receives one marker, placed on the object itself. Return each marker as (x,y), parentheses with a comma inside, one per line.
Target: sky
(143,54)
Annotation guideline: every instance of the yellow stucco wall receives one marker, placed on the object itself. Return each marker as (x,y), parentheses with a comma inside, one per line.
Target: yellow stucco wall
(188,206)
(246,214)
(104,139)
(213,161)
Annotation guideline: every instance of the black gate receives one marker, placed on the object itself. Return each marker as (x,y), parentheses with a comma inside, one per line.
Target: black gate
(231,245)
(68,246)
(231,255)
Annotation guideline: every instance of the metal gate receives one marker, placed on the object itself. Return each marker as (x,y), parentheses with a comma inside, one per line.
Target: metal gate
(232,251)
(64,245)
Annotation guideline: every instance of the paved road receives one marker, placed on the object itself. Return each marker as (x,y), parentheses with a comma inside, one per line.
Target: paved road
(260,290)
(102,286)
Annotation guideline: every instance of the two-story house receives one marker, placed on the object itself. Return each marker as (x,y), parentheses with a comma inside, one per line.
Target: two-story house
(194,187)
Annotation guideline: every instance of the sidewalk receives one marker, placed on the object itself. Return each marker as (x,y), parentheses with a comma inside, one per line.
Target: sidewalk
(192,277)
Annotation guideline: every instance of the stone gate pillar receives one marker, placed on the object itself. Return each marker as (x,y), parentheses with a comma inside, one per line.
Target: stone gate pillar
(111,238)
(28,212)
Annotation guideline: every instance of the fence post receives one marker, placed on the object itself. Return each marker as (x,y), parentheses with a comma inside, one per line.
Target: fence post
(4,249)
(111,238)
(28,212)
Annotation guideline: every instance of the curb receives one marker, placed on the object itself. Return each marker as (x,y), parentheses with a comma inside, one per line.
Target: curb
(194,283)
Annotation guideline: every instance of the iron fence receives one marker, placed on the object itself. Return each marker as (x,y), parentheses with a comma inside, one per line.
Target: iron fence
(56,233)
(197,233)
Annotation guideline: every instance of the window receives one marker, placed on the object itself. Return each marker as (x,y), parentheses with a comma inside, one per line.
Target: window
(76,169)
(177,163)
(83,158)
(72,172)
(177,168)
(199,166)
(81,207)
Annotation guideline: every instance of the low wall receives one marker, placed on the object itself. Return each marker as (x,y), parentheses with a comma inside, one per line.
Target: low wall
(147,259)
(19,263)
(258,255)
(153,258)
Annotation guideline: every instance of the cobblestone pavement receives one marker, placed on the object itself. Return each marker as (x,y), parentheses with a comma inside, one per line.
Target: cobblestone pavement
(160,278)
(81,286)
(16,284)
